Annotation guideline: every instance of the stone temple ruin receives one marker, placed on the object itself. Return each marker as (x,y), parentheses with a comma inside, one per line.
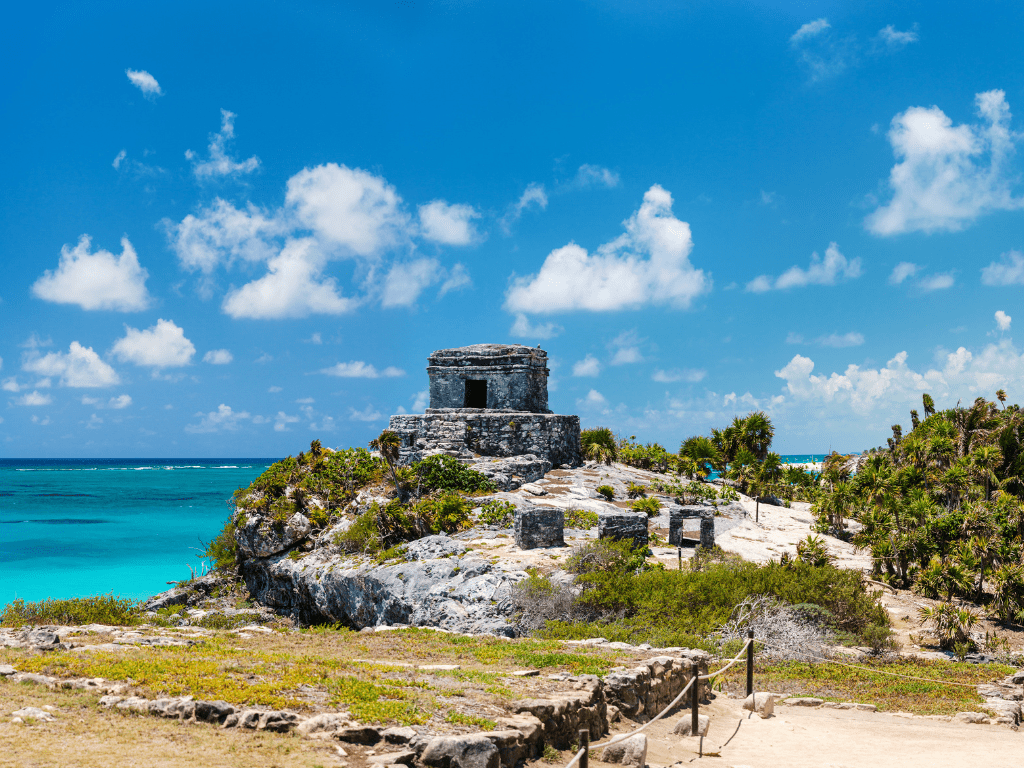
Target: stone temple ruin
(489,400)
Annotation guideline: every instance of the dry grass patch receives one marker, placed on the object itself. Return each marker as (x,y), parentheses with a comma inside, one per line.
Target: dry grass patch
(373,676)
(84,736)
(834,682)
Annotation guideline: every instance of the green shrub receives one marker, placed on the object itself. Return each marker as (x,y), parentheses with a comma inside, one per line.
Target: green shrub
(377,529)
(651,456)
(607,491)
(222,549)
(598,444)
(636,491)
(669,607)
(448,512)
(581,519)
(498,512)
(446,473)
(100,609)
(651,506)
(813,551)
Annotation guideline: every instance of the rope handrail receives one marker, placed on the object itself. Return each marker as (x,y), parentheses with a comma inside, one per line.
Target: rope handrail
(576,758)
(869,669)
(666,710)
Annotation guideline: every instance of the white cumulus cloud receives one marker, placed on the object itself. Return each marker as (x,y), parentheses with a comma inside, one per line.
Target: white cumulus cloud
(218,357)
(648,264)
(1008,271)
(810,29)
(902,271)
(223,419)
(594,399)
(34,398)
(405,281)
(357,369)
(524,329)
(588,366)
(851,339)
(219,162)
(282,420)
(894,39)
(449,224)
(145,82)
(533,196)
(367,414)
(689,375)
(1003,320)
(828,271)
(594,176)
(947,176)
(79,367)
(160,346)
(97,280)
(937,282)
(294,286)
(348,207)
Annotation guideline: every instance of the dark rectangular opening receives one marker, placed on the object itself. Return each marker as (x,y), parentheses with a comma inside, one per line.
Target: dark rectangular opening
(476,393)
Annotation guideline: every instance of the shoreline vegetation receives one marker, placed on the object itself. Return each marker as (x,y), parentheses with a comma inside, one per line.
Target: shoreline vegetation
(939,509)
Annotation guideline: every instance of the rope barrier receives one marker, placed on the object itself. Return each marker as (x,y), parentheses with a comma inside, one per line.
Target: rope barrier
(869,669)
(576,758)
(666,710)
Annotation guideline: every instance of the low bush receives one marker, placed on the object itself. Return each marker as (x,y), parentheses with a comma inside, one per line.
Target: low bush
(100,609)
(446,473)
(497,512)
(651,506)
(448,512)
(222,549)
(636,602)
(581,519)
(607,491)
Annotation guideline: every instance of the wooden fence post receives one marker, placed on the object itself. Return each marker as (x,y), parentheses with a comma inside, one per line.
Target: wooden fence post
(585,746)
(750,661)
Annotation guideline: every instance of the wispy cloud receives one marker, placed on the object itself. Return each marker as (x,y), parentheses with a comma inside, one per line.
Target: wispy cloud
(145,82)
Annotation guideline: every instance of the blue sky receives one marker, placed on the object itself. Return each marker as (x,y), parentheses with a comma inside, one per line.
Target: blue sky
(227,229)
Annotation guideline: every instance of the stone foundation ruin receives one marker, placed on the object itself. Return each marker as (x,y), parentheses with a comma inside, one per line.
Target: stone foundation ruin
(489,400)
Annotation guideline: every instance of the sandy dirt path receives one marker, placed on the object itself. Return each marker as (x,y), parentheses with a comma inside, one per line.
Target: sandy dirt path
(798,737)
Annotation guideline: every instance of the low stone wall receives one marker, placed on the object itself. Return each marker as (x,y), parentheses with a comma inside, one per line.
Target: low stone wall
(473,433)
(539,527)
(623,525)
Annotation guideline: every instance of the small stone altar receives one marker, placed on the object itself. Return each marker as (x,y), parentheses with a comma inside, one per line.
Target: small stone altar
(489,400)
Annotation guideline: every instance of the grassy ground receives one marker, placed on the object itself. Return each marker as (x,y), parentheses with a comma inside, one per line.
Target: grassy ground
(85,736)
(835,682)
(372,675)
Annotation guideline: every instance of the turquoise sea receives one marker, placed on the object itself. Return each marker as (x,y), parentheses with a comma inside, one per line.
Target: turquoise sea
(76,527)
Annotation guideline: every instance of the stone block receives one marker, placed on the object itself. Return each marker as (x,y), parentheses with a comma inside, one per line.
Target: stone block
(620,526)
(630,752)
(475,751)
(539,527)
(707,532)
(685,725)
(761,703)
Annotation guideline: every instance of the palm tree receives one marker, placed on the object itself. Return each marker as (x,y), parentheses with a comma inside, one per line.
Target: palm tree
(702,451)
(986,459)
(388,444)
(928,403)
(757,434)
(1001,397)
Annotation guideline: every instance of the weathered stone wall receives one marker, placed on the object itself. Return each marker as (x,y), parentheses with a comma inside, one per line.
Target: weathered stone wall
(470,434)
(539,527)
(677,523)
(516,376)
(623,525)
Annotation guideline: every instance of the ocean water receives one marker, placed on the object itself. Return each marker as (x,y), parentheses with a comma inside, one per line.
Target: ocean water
(77,527)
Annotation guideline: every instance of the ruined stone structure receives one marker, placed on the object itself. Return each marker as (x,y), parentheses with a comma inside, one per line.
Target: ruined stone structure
(489,400)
